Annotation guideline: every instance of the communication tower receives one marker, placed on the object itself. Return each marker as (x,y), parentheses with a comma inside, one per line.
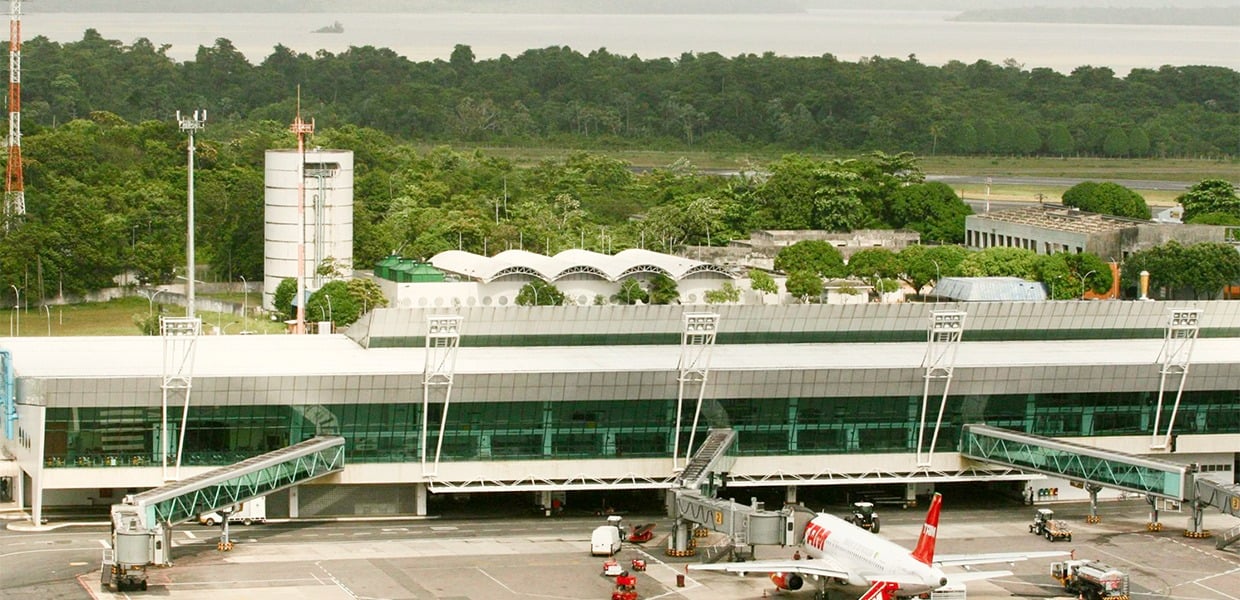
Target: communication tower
(301,129)
(14,183)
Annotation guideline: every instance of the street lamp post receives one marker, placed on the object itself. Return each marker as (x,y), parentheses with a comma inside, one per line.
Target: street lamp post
(190,124)
(1085,283)
(151,295)
(245,302)
(17,307)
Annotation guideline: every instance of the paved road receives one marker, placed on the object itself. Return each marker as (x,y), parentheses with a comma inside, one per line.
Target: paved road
(530,558)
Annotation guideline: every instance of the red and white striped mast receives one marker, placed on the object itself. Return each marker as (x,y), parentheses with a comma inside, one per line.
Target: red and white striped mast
(14,182)
(302,129)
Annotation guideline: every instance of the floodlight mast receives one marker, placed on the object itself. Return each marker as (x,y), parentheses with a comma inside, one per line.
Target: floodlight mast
(301,129)
(190,124)
(14,181)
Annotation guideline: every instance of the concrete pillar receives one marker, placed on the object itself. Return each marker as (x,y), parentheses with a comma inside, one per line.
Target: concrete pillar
(293,503)
(790,494)
(419,499)
(36,500)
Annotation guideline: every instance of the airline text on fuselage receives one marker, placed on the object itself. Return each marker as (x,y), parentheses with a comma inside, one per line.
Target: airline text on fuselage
(816,535)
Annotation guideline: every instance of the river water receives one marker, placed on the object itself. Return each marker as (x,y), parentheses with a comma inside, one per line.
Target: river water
(847,34)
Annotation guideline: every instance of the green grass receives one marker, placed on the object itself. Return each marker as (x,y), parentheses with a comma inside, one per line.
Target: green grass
(1169,169)
(117,317)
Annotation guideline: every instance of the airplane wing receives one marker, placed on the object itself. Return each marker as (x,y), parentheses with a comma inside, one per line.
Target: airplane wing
(817,567)
(974,576)
(967,560)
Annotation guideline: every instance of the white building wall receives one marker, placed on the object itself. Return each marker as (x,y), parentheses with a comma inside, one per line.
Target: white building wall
(280,232)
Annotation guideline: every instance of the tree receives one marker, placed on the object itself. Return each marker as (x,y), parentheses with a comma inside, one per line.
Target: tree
(922,264)
(761,281)
(282,300)
(1116,143)
(663,290)
(367,293)
(1060,142)
(631,292)
(728,292)
(1214,265)
(1167,265)
(805,285)
(815,256)
(874,264)
(1001,262)
(334,303)
(931,209)
(1067,275)
(539,293)
(1107,198)
(1209,196)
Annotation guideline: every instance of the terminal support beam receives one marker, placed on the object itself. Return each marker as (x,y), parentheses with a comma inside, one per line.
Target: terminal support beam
(942,340)
(180,336)
(443,337)
(1182,327)
(696,342)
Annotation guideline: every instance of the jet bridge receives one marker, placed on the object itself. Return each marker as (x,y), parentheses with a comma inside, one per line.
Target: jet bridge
(691,504)
(1093,468)
(142,523)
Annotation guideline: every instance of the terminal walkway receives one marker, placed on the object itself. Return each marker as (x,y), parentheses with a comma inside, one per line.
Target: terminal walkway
(1078,463)
(220,488)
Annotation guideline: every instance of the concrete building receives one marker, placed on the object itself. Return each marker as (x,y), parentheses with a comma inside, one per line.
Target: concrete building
(591,398)
(1051,228)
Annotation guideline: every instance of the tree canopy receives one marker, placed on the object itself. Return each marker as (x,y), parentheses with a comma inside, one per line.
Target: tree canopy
(1107,198)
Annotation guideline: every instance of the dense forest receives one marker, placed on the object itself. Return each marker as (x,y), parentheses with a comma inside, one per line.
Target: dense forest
(560,96)
(105,163)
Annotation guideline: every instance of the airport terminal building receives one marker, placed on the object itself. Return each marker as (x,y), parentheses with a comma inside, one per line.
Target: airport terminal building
(559,398)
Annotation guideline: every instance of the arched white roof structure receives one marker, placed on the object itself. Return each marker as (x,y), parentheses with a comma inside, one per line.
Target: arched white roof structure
(571,262)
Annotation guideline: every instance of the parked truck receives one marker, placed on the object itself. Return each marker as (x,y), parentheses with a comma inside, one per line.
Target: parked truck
(1091,580)
(863,516)
(1046,525)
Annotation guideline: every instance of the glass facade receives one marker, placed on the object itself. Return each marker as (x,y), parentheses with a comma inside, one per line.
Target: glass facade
(379,432)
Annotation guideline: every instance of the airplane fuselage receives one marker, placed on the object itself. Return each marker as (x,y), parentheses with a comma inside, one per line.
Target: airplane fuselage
(865,556)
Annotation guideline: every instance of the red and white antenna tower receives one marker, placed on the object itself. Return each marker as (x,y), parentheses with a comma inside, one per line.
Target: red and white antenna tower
(14,182)
(302,129)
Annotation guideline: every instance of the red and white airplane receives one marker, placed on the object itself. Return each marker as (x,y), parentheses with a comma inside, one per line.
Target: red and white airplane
(849,561)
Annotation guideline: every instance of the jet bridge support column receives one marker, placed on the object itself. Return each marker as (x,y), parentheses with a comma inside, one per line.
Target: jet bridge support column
(1196,521)
(443,337)
(1093,490)
(1176,355)
(696,342)
(943,338)
(1153,525)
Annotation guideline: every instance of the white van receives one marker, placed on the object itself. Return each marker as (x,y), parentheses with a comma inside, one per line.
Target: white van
(254,511)
(605,541)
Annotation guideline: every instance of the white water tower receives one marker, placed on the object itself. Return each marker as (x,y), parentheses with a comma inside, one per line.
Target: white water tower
(328,184)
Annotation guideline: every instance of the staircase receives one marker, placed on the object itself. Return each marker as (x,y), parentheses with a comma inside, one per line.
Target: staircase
(1228,537)
(707,458)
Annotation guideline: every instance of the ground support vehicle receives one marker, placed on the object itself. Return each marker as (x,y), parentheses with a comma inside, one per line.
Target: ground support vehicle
(254,511)
(1046,525)
(611,568)
(626,587)
(863,516)
(642,533)
(1091,580)
(639,564)
(605,541)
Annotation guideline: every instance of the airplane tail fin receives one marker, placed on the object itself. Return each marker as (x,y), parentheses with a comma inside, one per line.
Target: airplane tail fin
(924,551)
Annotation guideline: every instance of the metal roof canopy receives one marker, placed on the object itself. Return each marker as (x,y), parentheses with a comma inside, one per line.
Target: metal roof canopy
(241,482)
(1077,462)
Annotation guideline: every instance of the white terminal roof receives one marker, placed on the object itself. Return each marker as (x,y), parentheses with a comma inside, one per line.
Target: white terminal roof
(570,262)
(290,355)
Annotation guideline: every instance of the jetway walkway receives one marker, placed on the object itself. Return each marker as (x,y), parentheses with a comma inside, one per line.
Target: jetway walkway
(712,457)
(1223,497)
(1079,463)
(220,488)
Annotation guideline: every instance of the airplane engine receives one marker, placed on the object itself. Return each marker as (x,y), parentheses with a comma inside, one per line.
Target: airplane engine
(787,581)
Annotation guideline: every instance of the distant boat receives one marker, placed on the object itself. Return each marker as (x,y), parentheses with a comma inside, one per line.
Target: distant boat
(333,28)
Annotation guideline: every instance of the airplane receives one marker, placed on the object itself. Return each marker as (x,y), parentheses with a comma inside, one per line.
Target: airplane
(847,561)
